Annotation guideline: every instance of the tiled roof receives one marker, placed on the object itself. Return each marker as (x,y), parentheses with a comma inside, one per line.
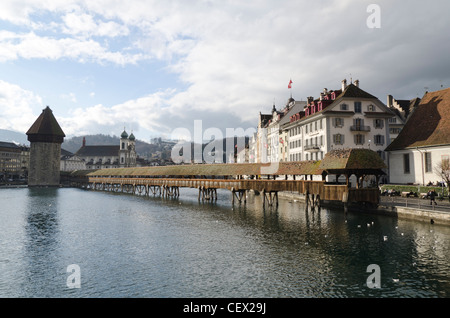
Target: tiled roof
(4,144)
(46,128)
(353,91)
(428,125)
(296,108)
(352,159)
(283,168)
(98,151)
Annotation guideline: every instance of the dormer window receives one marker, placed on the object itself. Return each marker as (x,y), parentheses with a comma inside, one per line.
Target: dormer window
(371,108)
(344,107)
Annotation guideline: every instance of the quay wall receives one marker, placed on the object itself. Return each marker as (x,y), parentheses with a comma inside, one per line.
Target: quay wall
(436,217)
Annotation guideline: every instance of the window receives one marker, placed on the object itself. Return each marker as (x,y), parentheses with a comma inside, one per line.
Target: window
(315,126)
(371,108)
(320,124)
(357,107)
(344,107)
(428,166)
(359,122)
(378,123)
(338,122)
(306,129)
(359,139)
(406,168)
(393,120)
(379,140)
(338,139)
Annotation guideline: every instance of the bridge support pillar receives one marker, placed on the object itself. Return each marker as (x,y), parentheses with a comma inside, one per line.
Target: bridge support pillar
(239,195)
(271,197)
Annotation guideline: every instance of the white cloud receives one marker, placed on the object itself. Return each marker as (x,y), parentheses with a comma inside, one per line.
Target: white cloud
(233,57)
(32,46)
(18,107)
(84,25)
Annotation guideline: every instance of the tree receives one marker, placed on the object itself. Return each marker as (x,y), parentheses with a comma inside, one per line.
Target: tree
(442,169)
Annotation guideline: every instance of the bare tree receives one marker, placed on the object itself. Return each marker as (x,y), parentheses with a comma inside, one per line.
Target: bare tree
(442,169)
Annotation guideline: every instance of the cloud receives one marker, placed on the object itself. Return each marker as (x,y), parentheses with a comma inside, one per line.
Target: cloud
(14,46)
(231,59)
(82,24)
(18,107)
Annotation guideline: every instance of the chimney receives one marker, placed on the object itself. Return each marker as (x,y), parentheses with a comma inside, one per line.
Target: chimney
(357,83)
(321,96)
(390,101)
(310,99)
(344,84)
(84,141)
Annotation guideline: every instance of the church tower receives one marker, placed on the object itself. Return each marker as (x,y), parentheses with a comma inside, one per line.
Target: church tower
(45,137)
(123,150)
(132,150)
(127,150)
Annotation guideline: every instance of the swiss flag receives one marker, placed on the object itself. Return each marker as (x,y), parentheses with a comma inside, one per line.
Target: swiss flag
(290,84)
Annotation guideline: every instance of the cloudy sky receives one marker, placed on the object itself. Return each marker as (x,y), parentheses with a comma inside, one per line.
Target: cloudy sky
(155,66)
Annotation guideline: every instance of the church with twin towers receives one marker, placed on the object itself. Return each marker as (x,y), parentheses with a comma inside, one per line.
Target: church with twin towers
(110,156)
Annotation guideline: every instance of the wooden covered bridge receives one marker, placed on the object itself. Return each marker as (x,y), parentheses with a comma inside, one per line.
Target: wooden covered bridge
(265,178)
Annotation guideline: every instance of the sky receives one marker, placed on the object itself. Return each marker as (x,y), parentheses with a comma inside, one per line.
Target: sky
(157,67)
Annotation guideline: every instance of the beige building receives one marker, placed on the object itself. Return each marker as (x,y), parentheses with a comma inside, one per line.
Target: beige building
(10,161)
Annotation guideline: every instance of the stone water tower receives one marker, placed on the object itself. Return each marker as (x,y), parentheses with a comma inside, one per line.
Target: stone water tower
(45,137)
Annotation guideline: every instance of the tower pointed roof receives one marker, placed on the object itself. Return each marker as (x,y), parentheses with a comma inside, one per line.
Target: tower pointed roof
(46,128)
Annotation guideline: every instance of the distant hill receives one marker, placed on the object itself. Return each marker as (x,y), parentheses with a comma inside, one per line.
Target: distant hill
(13,136)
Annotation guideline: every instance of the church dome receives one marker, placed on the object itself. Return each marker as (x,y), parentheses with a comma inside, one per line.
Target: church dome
(132,138)
(124,134)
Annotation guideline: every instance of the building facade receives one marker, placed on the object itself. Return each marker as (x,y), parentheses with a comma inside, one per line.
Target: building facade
(109,156)
(10,161)
(345,118)
(417,155)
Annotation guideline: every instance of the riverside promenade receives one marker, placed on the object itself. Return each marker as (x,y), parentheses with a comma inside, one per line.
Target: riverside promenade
(405,208)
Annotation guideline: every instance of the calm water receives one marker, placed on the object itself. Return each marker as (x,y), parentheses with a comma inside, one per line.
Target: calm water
(130,246)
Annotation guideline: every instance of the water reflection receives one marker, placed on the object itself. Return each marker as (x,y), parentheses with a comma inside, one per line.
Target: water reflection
(41,243)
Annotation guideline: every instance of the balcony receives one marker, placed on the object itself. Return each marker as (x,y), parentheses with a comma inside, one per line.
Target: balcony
(312,148)
(360,128)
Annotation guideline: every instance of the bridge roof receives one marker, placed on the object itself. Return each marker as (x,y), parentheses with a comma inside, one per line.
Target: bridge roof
(352,160)
(235,169)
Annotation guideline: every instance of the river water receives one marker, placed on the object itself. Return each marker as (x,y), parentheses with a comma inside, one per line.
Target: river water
(133,246)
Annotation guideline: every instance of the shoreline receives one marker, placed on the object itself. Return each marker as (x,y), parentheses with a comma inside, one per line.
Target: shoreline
(430,216)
